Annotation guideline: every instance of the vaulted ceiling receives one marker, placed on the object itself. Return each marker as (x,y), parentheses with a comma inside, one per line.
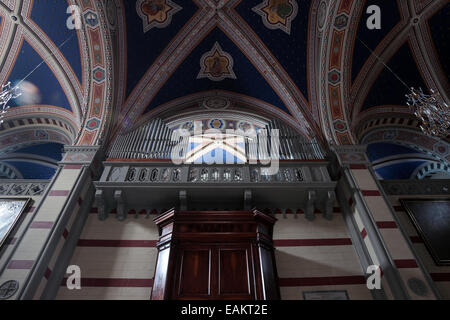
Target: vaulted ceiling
(308,62)
(48,114)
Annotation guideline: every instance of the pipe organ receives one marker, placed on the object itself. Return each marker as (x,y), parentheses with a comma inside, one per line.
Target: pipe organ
(150,141)
(154,141)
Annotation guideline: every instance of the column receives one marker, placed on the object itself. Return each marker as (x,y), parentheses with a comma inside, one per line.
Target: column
(40,258)
(376,233)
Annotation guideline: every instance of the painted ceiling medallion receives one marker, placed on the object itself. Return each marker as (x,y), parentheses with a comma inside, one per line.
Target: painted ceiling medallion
(278,14)
(216,65)
(216,103)
(156,13)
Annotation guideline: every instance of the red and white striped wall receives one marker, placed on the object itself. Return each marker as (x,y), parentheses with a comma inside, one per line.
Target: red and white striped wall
(65,233)
(316,256)
(29,249)
(397,246)
(117,259)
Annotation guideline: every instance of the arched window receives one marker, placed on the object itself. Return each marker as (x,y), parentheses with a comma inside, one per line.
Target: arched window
(216,149)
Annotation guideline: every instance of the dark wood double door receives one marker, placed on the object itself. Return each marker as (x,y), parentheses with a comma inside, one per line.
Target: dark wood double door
(215,256)
(214,272)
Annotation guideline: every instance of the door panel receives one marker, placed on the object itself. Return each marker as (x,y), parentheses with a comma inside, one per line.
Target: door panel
(234,272)
(213,272)
(194,276)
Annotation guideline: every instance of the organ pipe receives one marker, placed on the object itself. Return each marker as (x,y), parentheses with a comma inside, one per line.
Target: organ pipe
(153,140)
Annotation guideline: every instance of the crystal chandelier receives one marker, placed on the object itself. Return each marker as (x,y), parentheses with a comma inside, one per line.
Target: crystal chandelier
(431,110)
(6,95)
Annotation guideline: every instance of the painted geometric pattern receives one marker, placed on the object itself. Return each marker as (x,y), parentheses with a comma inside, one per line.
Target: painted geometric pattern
(221,124)
(156,13)
(216,65)
(277,14)
(100,96)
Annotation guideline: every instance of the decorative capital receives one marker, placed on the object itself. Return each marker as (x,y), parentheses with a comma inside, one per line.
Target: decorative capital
(351,154)
(79,154)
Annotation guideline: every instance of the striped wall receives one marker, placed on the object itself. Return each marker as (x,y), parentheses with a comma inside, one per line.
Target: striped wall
(439,274)
(317,256)
(24,263)
(391,235)
(117,259)
(62,239)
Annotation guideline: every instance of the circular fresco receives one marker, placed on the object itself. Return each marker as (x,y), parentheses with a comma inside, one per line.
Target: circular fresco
(216,124)
(216,103)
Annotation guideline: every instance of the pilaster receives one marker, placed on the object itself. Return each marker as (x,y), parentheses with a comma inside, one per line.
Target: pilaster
(376,233)
(56,222)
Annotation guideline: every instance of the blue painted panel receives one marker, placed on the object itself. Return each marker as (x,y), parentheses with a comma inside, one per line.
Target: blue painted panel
(399,171)
(378,151)
(43,80)
(390,16)
(387,89)
(32,170)
(144,48)
(51,16)
(51,150)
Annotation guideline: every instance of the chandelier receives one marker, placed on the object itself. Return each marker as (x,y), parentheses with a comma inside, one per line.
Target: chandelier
(6,95)
(431,110)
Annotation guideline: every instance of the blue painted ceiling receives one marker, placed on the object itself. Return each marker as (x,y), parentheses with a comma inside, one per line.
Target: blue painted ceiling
(49,88)
(184,81)
(42,86)
(51,17)
(290,50)
(40,161)
(394,161)
(51,150)
(390,18)
(143,48)
(32,170)
(439,26)
(388,89)
(399,171)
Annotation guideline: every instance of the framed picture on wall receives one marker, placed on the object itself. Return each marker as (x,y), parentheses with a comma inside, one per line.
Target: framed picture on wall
(10,212)
(432,221)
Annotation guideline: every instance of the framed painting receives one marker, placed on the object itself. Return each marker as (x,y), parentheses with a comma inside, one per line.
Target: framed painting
(10,212)
(432,221)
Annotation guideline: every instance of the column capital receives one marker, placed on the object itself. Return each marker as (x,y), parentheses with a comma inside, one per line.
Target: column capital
(351,155)
(81,155)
